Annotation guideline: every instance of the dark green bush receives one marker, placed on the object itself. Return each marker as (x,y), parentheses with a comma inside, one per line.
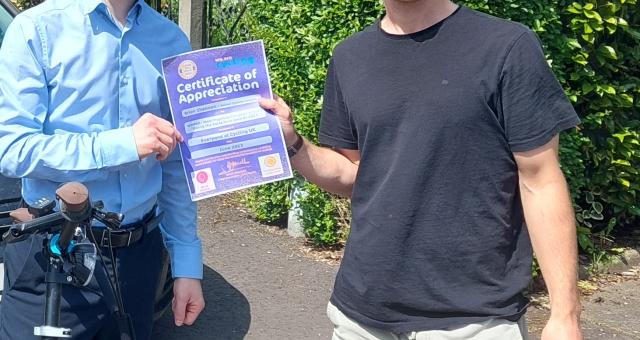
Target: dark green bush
(270,202)
(319,215)
(299,37)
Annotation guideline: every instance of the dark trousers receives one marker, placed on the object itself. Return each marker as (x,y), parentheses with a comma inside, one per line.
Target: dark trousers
(86,310)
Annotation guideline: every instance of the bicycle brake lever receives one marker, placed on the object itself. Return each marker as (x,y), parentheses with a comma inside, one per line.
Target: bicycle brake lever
(110,219)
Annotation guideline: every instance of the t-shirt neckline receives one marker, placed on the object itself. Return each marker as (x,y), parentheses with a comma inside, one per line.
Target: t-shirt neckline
(420,33)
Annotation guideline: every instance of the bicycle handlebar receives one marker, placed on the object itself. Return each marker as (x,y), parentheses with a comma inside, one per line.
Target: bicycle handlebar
(75,208)
(15,232)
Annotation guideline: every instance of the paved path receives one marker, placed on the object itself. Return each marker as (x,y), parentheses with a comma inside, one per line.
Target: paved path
(611,314)
(260,286)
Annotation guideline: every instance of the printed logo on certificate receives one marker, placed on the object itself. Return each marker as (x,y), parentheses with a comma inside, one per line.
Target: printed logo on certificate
(271,165)
(203,181)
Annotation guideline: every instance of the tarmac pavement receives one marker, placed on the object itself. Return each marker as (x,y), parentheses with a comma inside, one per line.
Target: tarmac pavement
(259,285)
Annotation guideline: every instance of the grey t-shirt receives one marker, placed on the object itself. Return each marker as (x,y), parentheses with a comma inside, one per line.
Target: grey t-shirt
(438,236)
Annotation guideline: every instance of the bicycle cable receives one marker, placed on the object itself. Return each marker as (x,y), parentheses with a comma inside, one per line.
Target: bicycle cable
(119,305)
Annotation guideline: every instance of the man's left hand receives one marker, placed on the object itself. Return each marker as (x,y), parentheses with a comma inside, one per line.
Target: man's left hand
(188,301)
(562,329)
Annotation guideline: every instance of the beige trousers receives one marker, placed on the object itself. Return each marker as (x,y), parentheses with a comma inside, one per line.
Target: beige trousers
(495,329)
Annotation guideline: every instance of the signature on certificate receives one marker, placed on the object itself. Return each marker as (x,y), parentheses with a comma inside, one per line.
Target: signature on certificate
(235,165)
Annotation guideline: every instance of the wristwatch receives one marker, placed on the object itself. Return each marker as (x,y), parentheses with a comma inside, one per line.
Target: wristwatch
(293,149)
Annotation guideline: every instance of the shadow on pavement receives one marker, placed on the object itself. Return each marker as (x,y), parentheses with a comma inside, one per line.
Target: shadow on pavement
(227,315)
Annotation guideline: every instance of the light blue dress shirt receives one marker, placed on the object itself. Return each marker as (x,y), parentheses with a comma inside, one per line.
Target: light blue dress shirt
(72,83)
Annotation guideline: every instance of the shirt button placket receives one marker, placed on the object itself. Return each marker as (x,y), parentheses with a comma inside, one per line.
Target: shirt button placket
(123,104)
(121,86)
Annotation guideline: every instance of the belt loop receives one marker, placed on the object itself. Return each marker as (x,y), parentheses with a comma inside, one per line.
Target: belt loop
(129,239)
(104,239)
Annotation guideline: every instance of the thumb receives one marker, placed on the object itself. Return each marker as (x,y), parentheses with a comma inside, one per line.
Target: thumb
(267,104)
(192,314)
(179,307)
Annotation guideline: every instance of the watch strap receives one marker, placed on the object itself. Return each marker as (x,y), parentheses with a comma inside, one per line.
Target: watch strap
(293,149)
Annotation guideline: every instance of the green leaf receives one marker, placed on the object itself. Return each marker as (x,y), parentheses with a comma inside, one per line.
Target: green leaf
(575,8)
(621,136)
(608,52)
(597,207)
(622,22)
(580,60)
(573,43)
(624,182)
(585,242)
(611,20)
(589,38)
(589,197)
(621,162)
(593,15)
(608,89)
(626,99)
(587,28)
(587,87)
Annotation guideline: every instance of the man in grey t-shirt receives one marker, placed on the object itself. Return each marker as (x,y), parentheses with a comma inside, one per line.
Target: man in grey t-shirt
(441,124)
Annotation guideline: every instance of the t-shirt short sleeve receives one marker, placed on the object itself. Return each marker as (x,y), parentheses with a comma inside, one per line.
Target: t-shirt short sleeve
(534,106)
(336,127)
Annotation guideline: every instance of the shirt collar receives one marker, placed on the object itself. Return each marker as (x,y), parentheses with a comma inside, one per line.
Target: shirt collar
(89,6)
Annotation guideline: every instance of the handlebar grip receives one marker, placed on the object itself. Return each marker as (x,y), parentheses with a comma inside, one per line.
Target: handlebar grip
(17,232)
(75,206)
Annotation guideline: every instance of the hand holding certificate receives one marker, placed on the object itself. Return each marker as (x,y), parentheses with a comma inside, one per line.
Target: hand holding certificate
(230,142)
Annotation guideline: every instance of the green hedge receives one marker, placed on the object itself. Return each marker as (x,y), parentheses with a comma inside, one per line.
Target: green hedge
(299,37)
(593,47)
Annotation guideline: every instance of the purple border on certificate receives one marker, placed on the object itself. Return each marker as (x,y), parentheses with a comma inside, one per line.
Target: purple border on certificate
(231,143)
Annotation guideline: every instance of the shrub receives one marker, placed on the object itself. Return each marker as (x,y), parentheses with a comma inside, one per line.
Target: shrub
(299,37)
(270,202)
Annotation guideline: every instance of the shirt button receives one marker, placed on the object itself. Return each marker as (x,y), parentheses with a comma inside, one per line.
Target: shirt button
(125,81)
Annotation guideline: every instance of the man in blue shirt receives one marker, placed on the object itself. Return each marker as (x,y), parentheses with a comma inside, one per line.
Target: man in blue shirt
(82,99)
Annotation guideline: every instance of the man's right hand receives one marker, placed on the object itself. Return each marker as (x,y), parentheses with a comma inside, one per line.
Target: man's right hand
(154,135)
(283,112)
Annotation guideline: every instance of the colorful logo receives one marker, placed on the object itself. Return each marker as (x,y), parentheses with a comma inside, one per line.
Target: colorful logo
(187,69)
(202,177)
(271,165)
(270,161)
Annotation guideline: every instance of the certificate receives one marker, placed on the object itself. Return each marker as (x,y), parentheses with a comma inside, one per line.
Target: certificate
(230,142)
